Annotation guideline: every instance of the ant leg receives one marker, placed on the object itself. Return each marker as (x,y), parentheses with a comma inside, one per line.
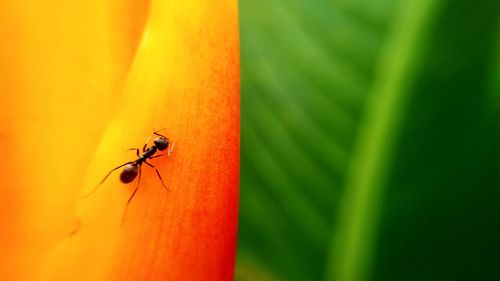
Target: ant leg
(136,151)
(107,175)
(145,145)
(156,156)
(159,176)
(131,196)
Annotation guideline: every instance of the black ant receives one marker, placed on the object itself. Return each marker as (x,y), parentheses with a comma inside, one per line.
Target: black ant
(133,168)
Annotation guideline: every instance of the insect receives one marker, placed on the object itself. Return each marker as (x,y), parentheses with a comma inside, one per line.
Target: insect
(132,169)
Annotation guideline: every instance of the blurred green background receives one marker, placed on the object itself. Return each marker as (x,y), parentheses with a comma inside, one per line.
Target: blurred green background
(370,140)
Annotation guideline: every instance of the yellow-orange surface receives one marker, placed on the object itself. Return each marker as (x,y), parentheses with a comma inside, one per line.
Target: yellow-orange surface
(81,82)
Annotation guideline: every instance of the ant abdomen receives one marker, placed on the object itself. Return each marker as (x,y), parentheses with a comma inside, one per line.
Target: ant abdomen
(129,173)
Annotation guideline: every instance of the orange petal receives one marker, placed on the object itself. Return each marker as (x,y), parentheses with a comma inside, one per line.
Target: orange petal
(184,77)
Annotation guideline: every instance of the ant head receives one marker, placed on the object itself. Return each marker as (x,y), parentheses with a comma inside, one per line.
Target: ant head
(129,173)
(161,143)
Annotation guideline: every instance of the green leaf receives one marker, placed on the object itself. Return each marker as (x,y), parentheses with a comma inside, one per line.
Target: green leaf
(369,140)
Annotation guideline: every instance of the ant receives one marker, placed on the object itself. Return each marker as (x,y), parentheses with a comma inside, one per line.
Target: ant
(132,169)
